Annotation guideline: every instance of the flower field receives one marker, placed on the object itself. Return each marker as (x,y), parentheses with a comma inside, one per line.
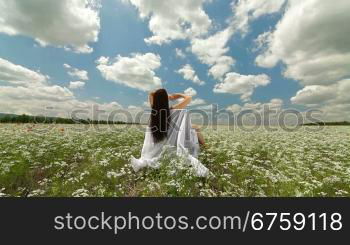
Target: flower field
(63,162)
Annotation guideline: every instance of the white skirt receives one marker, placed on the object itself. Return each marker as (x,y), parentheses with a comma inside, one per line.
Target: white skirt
(181,137)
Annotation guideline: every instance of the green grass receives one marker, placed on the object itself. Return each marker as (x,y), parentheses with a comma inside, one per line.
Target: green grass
(260,163)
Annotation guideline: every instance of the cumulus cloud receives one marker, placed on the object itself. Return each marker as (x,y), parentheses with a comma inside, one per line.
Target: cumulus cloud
(71,24)
(313,95)
(135,108)
(274,103)
(76,85)
(20,75)
(30,92)
(244,85)
(195,102)
(28,89)
(273,106)
(179,53)
(316,55)
(246,11)
(76,73)
(190,91)
(173,19)
(59,103)
(335,112)
(234,108)
(137,71)
(146,104)
(269,111)
(221,67)
(211,51)
(53,93)
(189,74)
(198,101)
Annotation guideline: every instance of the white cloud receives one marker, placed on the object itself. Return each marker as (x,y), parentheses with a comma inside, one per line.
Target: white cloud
(246,11)
(275,104)
(335,112)
(102,60)
(211,51)
(71,24)
(313,95)
(27,89)
(197,102)
(179,53)
(234,108)
(269,112)
(146,104)
(261,40)
(173,19)
(76,85)
(221,67)
(137,71)
(53,93)
(189,74)
(20,75)
(244,85)
(30,92)
(316,54)
(49,101)
(190,91)
(135,108)
(206,107)
(76,73)
(194,102)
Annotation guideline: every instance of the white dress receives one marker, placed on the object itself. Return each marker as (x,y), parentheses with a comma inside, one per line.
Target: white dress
(182,138)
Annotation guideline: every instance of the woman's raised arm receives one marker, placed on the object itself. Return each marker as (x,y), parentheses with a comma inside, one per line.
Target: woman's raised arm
(150,98)
(182,105)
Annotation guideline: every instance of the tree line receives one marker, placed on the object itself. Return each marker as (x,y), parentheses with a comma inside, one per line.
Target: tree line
(344,123)
(51,120)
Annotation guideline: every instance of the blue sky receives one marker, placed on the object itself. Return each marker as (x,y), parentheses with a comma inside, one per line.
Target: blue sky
(119,30)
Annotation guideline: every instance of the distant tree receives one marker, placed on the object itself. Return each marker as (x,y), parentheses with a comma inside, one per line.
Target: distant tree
(50,120)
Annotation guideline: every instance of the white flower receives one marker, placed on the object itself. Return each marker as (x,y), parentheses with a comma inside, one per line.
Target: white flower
(1,192)
(80,193)
(36,193)
(103,163)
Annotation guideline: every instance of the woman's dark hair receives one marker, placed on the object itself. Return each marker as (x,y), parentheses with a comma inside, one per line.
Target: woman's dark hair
(160,116)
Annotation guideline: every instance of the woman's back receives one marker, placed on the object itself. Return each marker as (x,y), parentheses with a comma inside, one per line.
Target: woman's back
(180,134)
(169,129)
(182,139)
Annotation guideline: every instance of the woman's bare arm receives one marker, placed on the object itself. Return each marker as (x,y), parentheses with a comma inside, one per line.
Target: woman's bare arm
(182,105)
(150,98)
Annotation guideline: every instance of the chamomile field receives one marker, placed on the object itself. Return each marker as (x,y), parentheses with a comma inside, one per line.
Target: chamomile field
(68,161)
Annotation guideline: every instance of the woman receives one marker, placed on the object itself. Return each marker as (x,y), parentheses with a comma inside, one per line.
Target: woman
(170,129)
(160,116)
